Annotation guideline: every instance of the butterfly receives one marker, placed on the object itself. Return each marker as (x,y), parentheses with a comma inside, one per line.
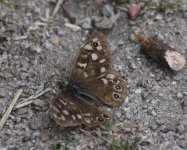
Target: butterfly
(92,88)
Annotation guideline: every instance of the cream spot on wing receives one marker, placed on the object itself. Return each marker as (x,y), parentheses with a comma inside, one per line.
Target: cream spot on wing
(110,76)
(94,56)
(102,60)
(88,47)
(99,48)
(103,69)
(79,116)
(55,115)
(65,112)
(73,117)
(95,39)
(64,103)
(55,109)
(105,81)
(71,103)
(85,75)
(87,120)
(87,114)
(63,118)
(59,105)
(82,65)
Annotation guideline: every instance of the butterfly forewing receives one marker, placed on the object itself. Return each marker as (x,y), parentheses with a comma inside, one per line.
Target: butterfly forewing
(93,57)
(92,70)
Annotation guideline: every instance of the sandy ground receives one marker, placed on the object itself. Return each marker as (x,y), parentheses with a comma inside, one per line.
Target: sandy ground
(154,114)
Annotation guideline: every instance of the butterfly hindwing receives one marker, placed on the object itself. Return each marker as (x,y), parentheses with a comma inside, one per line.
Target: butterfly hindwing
(109,89)
(70,111)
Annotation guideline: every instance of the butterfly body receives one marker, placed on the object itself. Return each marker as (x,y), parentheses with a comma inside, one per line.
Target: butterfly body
(92,88)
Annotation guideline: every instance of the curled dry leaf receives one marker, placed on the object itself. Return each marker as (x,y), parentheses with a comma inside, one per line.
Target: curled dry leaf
(161,52)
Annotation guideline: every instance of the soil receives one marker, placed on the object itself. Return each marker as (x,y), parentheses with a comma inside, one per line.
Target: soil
(36,51)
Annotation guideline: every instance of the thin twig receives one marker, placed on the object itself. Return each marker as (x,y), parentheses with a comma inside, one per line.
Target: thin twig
(31,98)
(5,116)
(57,7)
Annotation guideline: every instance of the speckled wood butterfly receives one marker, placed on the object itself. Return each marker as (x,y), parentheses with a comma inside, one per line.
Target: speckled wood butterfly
(93,87)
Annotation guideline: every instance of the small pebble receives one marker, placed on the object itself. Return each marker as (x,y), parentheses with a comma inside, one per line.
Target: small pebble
(120,43)
(2,93)
(26,138)
(179,95)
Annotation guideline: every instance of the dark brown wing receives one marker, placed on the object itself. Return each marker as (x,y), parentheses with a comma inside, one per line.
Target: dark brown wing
(109,89)
(70,111)
(93,53)
(92,71)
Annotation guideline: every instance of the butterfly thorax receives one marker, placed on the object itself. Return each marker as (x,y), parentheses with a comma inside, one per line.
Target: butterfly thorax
(81,94)
(72,88)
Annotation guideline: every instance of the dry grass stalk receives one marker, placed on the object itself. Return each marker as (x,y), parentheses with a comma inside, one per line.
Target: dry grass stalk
(7,113)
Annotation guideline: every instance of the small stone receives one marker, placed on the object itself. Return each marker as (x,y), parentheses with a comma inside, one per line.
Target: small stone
(138,91)
(158,17)
(120,43)
(13,148)
(118,114)
(26,138)
(133,37)
(185,93)
(179,95)
(184,106)
(36,134)
(185,15)
(60,32)
(73,27)
(44,137)
(2,93)
(161,121)
(55,40)
(165,129)
(181,129)
(132,65)
(18,119)
(86,23)
(35,125)
(24,75)
(133,11)
(36,49)
(105,23)
(182,144)
(145,106)
(39,102)
(144,95)
(128,115)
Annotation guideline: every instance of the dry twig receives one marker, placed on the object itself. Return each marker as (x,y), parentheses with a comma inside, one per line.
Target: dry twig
(5,116)
(31,98)
(57,7)
(161,52)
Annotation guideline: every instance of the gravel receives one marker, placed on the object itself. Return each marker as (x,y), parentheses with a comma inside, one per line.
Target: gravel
(38,51)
